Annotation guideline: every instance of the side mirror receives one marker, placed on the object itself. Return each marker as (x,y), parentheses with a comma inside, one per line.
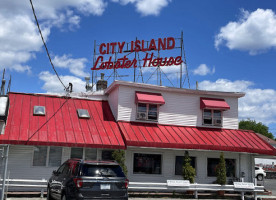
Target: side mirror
(55,172)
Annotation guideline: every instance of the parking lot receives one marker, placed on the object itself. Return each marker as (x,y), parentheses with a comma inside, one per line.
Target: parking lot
(270,184)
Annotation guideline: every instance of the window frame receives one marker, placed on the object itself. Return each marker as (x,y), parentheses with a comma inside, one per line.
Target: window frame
(235,166)
(47,157)
(212,117)
(84,152)
(151,174)
(147,112)
(192,157)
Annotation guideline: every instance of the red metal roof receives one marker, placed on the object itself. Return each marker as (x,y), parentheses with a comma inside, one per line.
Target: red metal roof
(64,128)
(214,104)
(145,97)
(168,136)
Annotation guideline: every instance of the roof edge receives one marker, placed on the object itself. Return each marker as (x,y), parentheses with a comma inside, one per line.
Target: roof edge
(117,83)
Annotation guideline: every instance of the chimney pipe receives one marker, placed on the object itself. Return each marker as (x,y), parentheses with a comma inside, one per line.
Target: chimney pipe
(101,84)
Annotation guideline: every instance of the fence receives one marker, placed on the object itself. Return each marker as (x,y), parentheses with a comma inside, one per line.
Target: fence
(146,187)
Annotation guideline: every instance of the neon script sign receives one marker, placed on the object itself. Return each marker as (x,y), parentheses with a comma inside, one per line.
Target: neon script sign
(136,46)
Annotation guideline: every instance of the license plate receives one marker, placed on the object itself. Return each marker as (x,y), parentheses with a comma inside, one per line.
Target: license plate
(105,187)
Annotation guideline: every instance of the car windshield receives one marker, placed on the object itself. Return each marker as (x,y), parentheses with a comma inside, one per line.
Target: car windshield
(102,170)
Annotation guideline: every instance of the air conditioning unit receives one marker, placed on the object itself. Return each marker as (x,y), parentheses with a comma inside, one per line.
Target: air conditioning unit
(217,122)
(141,115)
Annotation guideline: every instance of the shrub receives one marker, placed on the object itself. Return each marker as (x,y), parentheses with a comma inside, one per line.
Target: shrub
(188,170)
(119,156)
(221,171)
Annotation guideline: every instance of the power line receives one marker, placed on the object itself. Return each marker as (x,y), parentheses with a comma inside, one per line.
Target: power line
(46,46)
(47,121)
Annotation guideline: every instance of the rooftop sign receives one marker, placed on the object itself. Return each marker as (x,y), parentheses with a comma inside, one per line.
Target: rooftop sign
(150,60)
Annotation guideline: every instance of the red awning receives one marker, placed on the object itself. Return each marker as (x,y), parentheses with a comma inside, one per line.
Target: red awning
(179,137)
(153,98)
(64,128)
(206,103)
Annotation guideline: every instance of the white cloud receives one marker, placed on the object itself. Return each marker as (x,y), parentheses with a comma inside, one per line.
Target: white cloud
(75,66)
(254,32)
(19,37)
(146,7)
(258,104)
(19,40)
(203,70)
(52,84)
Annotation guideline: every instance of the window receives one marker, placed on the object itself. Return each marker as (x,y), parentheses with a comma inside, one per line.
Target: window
(47,156)
(82,113)
(39,110)
(147,163)
(55,155)
(213,164)
(147,112)
(40,156)
(212,117)
(76,153)
(84,153)
(107,155)
(179,161)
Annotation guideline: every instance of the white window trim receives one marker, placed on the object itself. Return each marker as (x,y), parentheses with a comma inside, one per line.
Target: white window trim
(147,111)
(142,174)
(212,115)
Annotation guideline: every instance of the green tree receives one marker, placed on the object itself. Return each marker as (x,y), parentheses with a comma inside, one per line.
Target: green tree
(119,156)
(221,171)
(256,127)
(188,171)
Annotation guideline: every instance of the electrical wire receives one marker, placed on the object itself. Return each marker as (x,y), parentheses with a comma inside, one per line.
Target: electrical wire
(67,98)
(46,46)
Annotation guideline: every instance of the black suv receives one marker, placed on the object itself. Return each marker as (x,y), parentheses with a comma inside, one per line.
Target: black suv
(79,179)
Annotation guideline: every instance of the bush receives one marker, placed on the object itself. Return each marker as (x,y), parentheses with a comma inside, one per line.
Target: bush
(188,170)
(119,156)
(221,171)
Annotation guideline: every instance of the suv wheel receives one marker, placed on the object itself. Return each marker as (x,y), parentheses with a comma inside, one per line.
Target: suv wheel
(64,197)
(260,177)
(49,197)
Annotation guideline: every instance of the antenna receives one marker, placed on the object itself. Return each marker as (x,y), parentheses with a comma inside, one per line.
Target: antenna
(3,83)
(9,86)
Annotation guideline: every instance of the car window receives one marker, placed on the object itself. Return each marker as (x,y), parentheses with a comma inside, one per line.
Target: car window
(60,169)
(66,169)
(256,168)
(102,170)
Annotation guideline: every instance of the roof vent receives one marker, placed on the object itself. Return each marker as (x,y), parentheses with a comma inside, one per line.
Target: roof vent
(39,110)
(82,113)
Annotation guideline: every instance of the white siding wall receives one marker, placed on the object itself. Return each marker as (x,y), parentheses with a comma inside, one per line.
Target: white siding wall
(168,164)
(179,109)
(20,164)
(113,102)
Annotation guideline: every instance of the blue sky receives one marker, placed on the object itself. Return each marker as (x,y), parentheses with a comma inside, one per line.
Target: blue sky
(229,45)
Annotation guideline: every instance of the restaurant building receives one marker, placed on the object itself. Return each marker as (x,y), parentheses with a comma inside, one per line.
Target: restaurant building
(154,124)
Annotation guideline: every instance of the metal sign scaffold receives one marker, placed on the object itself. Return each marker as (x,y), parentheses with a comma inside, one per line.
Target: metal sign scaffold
(136,46)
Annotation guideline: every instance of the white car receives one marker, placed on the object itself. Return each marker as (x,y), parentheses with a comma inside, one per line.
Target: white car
(259,173)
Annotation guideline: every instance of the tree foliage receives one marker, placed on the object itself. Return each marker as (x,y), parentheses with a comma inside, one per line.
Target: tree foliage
(119,156)
(256,127)
(221,171)
(188,171)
